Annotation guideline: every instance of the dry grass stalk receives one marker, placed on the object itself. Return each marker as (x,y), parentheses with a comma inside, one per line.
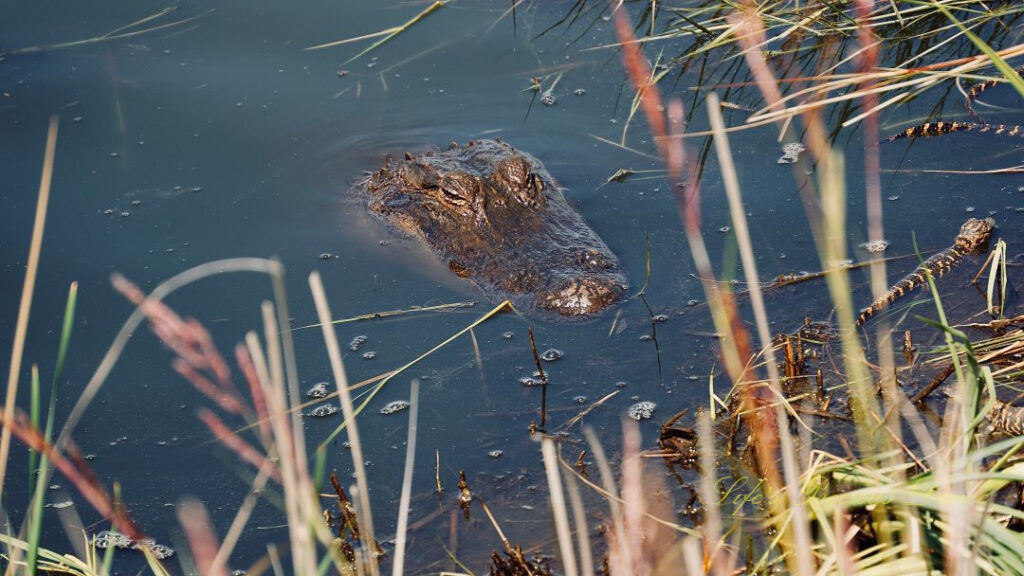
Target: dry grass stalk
(27,291)
(736,349)
(794,500)
(243,449)
(74,468)
(202,539)
(558,508)
(410,459)
(338,369)
(620,563)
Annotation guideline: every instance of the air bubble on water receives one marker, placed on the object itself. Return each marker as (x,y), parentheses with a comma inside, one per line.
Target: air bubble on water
(356,343)
(495,453)
(369,355)
(692,302)
(533,380)
(111,539)
(645,338)
(326,256)
(548,99)
(125,214)
(136,202)
(579,91)
(970,209)
(791,153)
(660,318)
(507,335)
(394,407)
(620,384)
(580,399)
(319,390)
(893,198)
(550,355)
(115,154)
(875,246)
(159,551)
(724,229)
(323,411)
(641,410)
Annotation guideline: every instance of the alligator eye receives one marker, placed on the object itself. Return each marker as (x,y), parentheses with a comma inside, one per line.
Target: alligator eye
(457,191)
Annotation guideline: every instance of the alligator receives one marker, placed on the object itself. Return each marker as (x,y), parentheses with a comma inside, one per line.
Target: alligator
(495,215)
(973,237)
(929,129)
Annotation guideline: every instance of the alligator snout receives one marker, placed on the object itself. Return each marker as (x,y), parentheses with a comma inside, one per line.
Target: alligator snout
(583,295)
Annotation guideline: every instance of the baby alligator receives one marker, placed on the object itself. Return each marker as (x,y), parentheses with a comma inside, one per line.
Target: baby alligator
(494,215)
(972,238)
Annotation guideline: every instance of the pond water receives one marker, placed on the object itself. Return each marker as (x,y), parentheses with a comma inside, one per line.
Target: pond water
(222,136)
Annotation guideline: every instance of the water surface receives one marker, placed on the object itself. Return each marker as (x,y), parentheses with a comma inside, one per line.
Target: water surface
(223,137)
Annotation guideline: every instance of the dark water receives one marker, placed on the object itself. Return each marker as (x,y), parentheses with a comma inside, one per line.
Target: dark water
(222,137)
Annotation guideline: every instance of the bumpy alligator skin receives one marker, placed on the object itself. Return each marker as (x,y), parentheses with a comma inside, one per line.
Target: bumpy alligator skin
(929,129)
(494,215)
(972,238)
(1005,419)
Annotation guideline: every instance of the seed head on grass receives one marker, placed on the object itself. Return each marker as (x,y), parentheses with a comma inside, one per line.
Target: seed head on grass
(74,467)
(198,360)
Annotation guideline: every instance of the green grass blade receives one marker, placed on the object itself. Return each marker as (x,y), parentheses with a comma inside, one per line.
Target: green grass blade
(1005,69)
(33,456)
(35,523)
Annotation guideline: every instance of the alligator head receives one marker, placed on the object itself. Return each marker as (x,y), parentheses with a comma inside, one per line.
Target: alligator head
(494,215)
(974,234)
